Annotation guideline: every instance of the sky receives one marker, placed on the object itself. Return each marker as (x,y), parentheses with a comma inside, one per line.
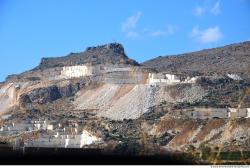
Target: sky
(30,30)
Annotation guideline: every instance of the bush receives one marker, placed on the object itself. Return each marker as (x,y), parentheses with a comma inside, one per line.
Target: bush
(205,151)
(128,147)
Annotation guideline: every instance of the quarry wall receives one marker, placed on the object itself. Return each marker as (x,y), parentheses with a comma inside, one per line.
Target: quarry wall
(164,78)
(8,97)
(117,73)
(208,113)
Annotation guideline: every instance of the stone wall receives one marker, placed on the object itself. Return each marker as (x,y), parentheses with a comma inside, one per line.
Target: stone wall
(203,113)
(125,77)
(238,113)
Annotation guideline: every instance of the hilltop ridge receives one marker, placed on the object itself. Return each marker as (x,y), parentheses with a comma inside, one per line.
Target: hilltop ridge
(111,53)
(234,58)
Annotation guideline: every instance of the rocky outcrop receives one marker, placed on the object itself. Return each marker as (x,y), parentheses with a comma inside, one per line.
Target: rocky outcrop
(49,94)
(112,53)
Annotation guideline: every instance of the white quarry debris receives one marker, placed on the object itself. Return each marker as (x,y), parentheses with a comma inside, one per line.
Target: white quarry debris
(65,140)
(43,125)
(118,101)
(87,138)
(191,79)
(50,127)
(132,105)
(76,71)
(248,113)
(78,141)
(234,76)
(168,79)
(57,135)
(99,98)
(157,78)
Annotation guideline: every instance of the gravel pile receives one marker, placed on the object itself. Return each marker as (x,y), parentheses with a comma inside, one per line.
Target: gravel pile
(134,102)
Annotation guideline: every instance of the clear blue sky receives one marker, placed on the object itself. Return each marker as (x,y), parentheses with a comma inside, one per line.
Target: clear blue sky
(32,29)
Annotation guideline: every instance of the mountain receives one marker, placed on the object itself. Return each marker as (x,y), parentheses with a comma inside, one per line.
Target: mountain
(234,58)
(101,100)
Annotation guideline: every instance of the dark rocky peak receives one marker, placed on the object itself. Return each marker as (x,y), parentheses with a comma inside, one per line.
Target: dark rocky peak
(115,47)
(112,53)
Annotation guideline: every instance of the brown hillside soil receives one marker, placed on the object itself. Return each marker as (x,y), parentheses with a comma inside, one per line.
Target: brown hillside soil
(185,134)
(208,127)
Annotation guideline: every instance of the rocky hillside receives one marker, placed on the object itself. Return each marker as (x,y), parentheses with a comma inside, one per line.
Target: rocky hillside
(112,53)
(101,99)
(233,58)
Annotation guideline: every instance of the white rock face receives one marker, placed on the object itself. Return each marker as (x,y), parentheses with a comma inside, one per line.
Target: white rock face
(167,79)
(157,78)
(87,138)
(50,127)
(8,97)
(234,76)
(248,113)
(76,71)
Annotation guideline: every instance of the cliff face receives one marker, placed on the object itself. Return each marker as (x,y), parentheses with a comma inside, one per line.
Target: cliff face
(112,53)
(123,104)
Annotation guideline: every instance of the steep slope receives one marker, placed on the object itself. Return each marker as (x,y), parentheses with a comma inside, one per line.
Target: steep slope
(233,58)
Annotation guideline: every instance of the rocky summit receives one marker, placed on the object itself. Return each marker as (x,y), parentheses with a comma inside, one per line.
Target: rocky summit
(112,53)
(196,104)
